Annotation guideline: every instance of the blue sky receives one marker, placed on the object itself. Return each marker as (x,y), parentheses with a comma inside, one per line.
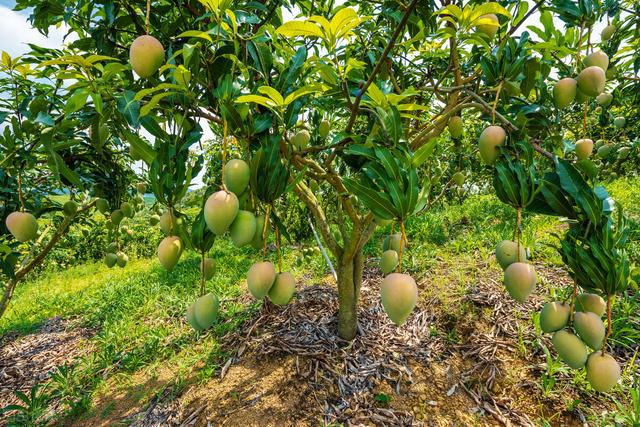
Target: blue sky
(16,32)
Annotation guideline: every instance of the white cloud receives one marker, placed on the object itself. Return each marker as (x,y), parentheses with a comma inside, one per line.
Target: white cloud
(16,32)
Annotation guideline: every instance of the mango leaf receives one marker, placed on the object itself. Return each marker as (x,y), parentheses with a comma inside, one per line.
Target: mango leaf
(299,28)
(196,33)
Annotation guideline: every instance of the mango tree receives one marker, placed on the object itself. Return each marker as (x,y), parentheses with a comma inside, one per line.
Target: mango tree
(351,100)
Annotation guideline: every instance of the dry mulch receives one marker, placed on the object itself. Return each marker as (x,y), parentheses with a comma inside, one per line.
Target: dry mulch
(29,360)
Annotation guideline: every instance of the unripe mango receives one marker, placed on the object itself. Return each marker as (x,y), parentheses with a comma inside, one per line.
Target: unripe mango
(141,187)
(110,259)
(619,122)
(168,223)
(146,55)
(584,148)
(283,288)
(127,209)
(489,25)
(507,253)
(604,151)
(520,279)
(301,139)
(591,81)
(455,126)
(607,32)
(570,348)
(154,220)
(564,92)
(169,251)
(590,328)
(260,279)
(490,139)
(243,228)
(220,210)
(603,372)
(257,242)
(597,59)
(399,295)
(70,208)
(554,316)
(591,302)
(206,309)
(394,242)
(388,261)
(191,318)
(236,176)
(22,225)
(458,178)
(102,205)
(122,259)
(604,99)
(324,128)
(116,217)
(207,268)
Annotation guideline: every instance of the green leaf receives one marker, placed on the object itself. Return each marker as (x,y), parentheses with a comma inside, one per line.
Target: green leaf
(299,28)
(196,33)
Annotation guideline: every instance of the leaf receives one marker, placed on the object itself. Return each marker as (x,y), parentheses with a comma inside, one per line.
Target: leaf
(299,28)
(129,107)
(304,91)
(146,152)
(423,153)
(344,21)
(374,201)
(262,100)
(146,109)
(376,95)
(272,93)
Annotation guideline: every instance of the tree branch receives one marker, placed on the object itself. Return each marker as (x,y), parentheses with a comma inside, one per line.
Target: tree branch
(399,29)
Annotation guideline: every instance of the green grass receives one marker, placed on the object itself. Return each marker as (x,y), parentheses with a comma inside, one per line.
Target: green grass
(138,311)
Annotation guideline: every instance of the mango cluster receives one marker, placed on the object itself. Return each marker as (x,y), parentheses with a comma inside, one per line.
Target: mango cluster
(571,339)
(398,291)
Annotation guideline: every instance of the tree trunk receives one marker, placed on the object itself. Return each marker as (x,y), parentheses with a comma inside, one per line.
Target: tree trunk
(349,282)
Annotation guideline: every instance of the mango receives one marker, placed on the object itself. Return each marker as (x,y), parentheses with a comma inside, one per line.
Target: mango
(591,302)
(590,328)
(520,280)
(207,268)
(169,251)
(243,228)
(110,259)
(584,148)
(507,253)
(570,348)
(591,80)
(388,261)
(489,25)
(399,294)
(490,139)
(70,208)
(146,55)
(597,59)
(283,288)
(220,210)
(564,92)
(260,279)
(206,309)
(455,126)
(554,316)
(603,372)
(22,225)
(236,176)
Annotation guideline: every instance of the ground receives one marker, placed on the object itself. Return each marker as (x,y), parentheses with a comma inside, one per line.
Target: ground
(468,355)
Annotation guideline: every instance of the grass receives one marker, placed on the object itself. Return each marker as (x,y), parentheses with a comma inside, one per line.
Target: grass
(138,312)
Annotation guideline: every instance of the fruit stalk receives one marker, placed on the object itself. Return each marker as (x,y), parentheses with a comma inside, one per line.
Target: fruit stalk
(202,272)
(146,21)
(518,232)
(20,198)
(574,295)
(606,337)
(495,104)
(264,231)
(278,249)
